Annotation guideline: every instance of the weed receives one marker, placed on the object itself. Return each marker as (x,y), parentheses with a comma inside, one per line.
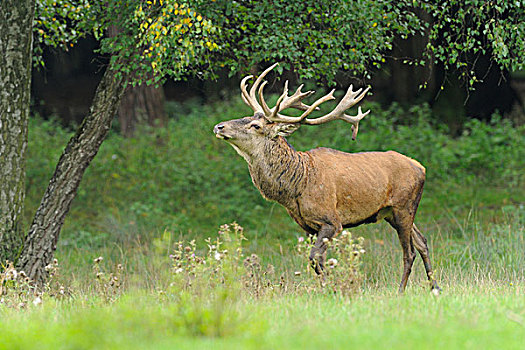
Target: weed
(342,274)
(16,289)
(225,265)
(108,286)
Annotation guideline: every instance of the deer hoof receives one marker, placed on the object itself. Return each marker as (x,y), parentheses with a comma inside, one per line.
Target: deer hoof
(436,291)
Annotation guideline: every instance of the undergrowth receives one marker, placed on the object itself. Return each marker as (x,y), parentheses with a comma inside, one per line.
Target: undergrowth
(222,267)
(182,179)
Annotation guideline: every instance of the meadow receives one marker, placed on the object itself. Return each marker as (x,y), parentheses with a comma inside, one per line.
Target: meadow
(148,204)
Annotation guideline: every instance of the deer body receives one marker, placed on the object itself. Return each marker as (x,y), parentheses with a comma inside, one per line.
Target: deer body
(326,190)
(347,189)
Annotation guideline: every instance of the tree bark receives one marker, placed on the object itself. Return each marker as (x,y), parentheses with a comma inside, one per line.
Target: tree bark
(140,105)
(42,238)
(16,38)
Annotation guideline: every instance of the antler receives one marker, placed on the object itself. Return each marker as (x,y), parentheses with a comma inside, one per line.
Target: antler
(350,99)
(249,98)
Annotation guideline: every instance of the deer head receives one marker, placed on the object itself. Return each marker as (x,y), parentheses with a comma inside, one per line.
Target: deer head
(248,134)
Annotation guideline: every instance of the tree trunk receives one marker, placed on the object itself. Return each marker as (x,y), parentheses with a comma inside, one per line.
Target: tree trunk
(16,37)
(42,238)
(141,104)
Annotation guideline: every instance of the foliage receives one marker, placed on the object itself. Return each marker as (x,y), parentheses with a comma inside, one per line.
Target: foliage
(461,31)
(155,38)
(319,40)
(107,285)
(166,37)
(316,39)
(17,291)
(226,265)
(15,288)
(220,267)
(58,24)
(150,40)
(145,40)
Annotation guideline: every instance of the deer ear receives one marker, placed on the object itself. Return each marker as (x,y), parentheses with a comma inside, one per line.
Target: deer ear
(285,129)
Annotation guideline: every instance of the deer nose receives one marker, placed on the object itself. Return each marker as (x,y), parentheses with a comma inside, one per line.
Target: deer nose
(218,127)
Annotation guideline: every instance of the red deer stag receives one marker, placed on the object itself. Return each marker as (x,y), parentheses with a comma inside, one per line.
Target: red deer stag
(325,190)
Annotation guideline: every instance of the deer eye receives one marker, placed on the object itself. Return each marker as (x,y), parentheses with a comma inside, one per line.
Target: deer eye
(257,127)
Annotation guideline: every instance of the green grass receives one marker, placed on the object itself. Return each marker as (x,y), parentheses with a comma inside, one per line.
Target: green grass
(476,318)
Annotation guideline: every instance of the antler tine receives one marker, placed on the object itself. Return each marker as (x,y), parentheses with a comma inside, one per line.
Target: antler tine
(245,100)
(255,85)
(285,102)
(354,120)
(314,106)
(246,97)
(249,98)
(274,116)
(350,99)
(266,109)
(309,109)
(295,101)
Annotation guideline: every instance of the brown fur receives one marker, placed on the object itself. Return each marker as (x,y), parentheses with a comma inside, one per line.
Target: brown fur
(325,190)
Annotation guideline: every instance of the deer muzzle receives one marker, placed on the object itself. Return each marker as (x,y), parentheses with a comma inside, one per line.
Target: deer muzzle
(218,130)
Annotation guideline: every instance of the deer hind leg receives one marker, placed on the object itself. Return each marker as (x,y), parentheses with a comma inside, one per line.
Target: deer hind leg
(420,242)
(318,252)
(403,225)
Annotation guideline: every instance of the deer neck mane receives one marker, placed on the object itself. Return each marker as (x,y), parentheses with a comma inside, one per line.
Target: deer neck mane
(278,170)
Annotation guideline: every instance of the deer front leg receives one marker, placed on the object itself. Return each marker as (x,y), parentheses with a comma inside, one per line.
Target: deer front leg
(318,252)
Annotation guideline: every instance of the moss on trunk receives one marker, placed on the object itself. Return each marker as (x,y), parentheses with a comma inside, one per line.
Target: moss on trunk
(16,18)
